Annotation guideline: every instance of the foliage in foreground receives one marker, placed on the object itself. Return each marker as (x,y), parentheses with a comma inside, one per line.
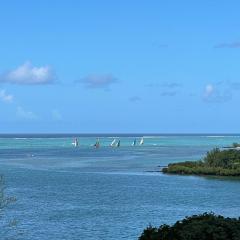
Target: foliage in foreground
(206,226)
(216,162)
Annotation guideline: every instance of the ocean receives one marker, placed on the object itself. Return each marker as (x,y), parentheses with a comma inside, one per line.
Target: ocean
(108,193)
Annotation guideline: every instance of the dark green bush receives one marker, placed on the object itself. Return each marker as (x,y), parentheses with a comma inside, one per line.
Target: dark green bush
(225,159)
(207,226)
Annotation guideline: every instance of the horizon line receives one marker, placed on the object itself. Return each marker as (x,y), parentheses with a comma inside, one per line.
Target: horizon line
(120,133)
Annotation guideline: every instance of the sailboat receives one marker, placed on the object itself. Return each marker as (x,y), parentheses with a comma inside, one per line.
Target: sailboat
(141,142)
(134,142)
(113,142)
(118,143)
(75,142)
(97,144)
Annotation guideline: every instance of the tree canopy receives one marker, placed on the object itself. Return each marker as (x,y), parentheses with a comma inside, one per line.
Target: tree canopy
(207,226)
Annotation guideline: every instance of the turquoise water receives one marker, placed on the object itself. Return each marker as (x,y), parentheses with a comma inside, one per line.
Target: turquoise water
(108,193)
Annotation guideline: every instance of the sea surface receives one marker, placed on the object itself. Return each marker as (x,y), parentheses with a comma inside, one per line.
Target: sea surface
(108,193)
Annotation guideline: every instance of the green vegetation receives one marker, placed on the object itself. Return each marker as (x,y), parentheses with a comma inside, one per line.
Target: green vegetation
(206,226)
(216,162)
(236,145)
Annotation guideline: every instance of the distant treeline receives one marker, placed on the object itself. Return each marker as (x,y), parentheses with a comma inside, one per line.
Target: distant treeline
(236,145)
(206,226)
(216,162)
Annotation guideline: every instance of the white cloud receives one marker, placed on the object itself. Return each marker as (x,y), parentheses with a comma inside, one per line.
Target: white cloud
(209,90)
(98,81)
(5,97)
(56,115)
(22,113)
(217,93)
(28,74)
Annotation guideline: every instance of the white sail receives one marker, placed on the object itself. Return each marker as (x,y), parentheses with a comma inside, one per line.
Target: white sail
(141,142)
(75,142)
(113,142)
(97,144)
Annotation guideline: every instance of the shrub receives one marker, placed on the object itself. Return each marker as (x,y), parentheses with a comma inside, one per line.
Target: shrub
(207,226)
(216,162)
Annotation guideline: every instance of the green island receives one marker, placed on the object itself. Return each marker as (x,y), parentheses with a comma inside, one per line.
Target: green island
(207,226)
(216,162)
(236,145)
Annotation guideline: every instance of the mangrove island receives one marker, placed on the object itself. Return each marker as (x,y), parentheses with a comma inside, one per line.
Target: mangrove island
(216,162)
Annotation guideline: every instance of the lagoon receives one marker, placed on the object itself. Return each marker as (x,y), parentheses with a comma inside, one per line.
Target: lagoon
(108,193)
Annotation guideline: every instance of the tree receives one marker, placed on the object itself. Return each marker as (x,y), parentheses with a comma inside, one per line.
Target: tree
(207,226)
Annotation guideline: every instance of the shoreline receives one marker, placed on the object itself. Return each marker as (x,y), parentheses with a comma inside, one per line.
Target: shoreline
(201,175)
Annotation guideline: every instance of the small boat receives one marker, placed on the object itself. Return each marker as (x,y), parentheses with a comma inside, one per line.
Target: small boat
(113,142)
(97,144)
(141,142)
(118,143)
(134,142)
(75,142)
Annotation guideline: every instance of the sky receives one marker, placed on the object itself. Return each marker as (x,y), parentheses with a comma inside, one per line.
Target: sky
(119,66)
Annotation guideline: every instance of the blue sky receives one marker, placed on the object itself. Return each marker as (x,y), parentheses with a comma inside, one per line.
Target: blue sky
(120,66)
